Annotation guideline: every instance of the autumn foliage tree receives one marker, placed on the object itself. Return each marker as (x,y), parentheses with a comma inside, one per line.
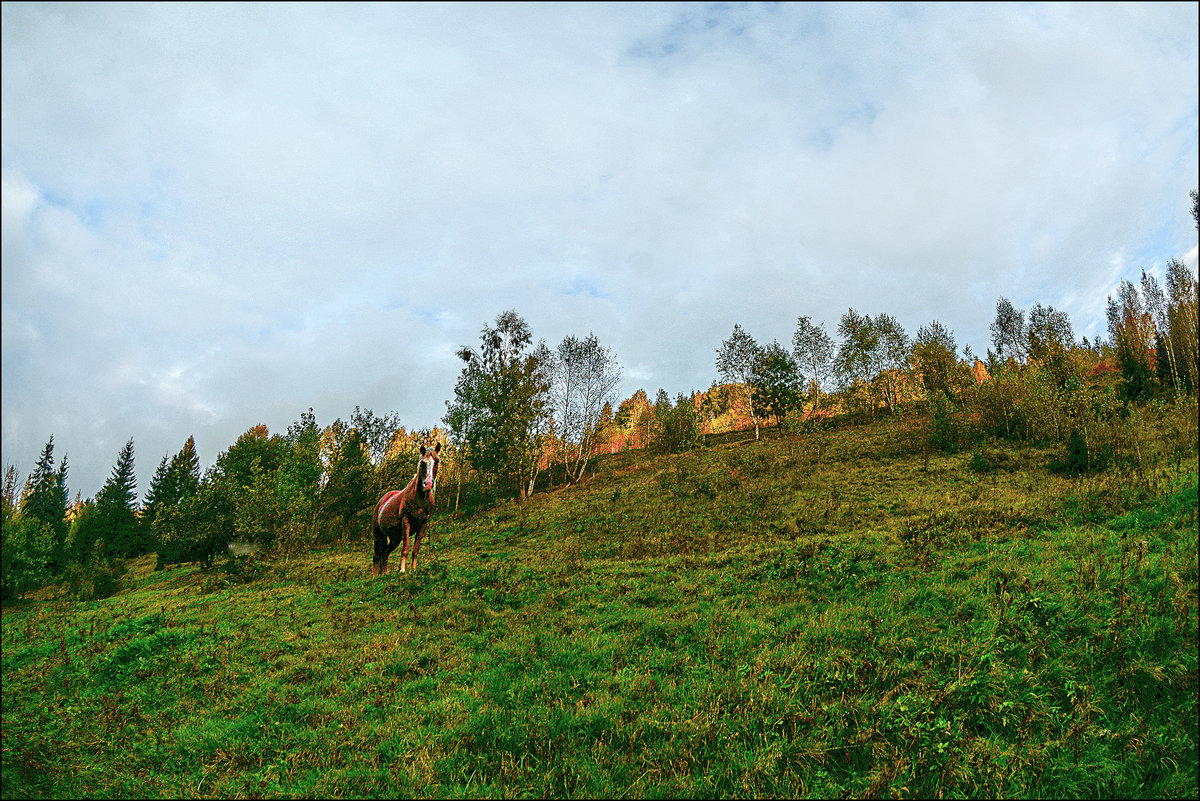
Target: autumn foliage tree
(858,359)
(1131,328)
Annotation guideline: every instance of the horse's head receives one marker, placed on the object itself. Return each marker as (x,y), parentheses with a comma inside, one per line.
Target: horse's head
(427,471)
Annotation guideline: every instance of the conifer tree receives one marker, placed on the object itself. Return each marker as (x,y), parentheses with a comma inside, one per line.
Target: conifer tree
(185,471)
(113,518)
(46,502)
(158,495)
(9,497)
(172,483)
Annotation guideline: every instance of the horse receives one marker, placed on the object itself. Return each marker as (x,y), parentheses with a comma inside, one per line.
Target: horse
(402,514)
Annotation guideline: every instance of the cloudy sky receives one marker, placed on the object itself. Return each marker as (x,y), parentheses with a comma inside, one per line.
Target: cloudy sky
(220,215)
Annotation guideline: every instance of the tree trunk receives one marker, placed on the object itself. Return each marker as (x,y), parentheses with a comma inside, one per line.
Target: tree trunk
(750,401)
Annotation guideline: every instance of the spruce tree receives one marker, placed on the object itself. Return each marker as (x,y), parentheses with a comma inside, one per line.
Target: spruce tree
(8,500)
(157,497)
(114,518)
(46,502)
(173,483)
(185,471)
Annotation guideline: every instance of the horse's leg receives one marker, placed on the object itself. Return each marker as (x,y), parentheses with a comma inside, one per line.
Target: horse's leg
(404,550)
(379,563)
(385,543)
(417,544)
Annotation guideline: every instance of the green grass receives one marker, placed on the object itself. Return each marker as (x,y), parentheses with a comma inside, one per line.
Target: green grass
(820,615)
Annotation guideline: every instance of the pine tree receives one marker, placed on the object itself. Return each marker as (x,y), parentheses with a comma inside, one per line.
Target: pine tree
(173,483)
(46,502)
(9,497)
(185,471)
(113,519)
(158,496)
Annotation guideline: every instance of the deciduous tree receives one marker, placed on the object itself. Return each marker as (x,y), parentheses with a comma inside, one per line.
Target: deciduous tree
(858,358)
(582,377)
(776,383)
(935,356)
(1009,335)
(499,409)
(735,363)
(814,352)
(894,350)
(1131,328)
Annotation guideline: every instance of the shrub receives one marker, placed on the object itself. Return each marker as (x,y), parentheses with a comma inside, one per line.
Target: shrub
(199,528)
(97,576)
(679,427)
(1079,457)
(28,547)
(946,424)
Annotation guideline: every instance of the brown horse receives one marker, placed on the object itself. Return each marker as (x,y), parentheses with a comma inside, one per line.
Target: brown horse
(402,514)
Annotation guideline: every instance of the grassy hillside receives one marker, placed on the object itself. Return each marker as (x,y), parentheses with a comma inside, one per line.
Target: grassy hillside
(828,614)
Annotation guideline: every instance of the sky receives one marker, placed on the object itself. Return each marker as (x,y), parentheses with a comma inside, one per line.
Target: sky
(220,215)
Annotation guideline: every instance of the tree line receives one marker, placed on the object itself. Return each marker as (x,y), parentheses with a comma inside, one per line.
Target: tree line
(525,416)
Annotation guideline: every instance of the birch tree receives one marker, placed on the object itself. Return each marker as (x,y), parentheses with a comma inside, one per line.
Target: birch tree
(736,359)
(858,357)
(583,380)
(894,348)
(813,349)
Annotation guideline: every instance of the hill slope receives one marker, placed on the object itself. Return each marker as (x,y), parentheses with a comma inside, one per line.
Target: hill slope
(830,614)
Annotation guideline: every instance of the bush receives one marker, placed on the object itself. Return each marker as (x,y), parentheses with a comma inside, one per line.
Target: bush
(95,577)
(679,427)
(946,424)
(28,547)
(1079,457)
(1023,404)
(198,529)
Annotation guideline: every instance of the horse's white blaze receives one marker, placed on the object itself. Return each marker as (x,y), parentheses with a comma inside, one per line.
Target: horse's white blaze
(382,508)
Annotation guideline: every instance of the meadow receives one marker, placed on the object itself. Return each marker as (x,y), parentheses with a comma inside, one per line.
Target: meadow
(829,612)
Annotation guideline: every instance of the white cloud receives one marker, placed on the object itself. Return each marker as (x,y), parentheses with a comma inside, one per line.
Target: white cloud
(219,215)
